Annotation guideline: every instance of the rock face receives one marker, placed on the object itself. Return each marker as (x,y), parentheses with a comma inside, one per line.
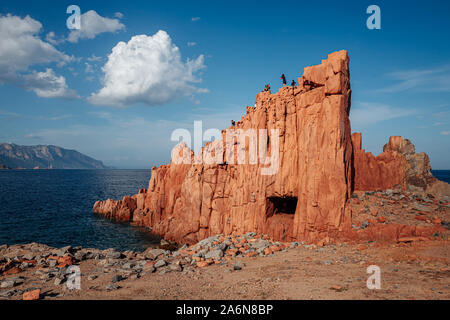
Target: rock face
(299,189)
(398,165)
(382,172)
(305,198)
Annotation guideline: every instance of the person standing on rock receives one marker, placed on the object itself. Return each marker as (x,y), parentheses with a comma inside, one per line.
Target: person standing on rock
(284,79)
(293,84)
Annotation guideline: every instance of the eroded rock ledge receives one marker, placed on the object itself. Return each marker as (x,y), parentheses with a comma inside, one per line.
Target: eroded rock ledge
(398,165)
(307,199)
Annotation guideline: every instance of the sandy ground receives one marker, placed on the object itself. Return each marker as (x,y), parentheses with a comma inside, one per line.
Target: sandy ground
(408,271)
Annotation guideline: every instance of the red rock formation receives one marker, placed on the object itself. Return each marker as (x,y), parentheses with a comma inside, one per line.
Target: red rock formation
(306,196)
(398,165)
(381,172)
(190,202)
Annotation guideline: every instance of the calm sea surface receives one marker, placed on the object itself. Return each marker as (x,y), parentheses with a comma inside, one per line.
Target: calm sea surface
(55,207)
(443,175)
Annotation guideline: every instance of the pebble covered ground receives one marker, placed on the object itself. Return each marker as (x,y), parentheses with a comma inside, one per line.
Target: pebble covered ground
(398,206)
(54,265)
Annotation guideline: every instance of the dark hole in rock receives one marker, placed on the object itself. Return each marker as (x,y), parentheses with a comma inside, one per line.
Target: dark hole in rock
(281,205)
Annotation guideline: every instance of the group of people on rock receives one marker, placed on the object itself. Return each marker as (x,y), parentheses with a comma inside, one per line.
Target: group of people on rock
(267,88)
(283,78)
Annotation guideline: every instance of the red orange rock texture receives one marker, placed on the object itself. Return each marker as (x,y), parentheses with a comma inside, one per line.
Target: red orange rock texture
(320,164)
(398,165)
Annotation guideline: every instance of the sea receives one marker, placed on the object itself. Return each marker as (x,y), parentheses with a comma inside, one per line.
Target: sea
(54,207)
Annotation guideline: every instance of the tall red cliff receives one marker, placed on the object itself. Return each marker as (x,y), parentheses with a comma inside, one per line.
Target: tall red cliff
(304,199)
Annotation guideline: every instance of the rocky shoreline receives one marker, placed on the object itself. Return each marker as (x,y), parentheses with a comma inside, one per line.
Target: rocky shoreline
(51,265)
(224,267)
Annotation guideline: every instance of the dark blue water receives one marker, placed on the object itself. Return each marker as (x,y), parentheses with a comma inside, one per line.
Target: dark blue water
(55,207)
(443,175)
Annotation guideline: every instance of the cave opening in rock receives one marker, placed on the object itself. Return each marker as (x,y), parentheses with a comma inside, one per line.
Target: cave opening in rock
(281,205)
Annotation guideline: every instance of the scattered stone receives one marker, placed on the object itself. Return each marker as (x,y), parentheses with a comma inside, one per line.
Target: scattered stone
(114,255)
(128,265)
(207,242)
(134,276)
(202,264)
(52,263)
(92,277)
(175,267)
(148,267)
(7,284)
(214,254)
(7,293)
(29,256)
(32,295)
(117,278)
(337,288)
(80,255)
(238,265)
(420,207)
(294,244)
(259,244)
(62,251)
(152,254)
(160,263)
(364,225)
(112,286)
(47,276)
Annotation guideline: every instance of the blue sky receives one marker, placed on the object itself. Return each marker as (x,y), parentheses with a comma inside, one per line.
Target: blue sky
(70,88)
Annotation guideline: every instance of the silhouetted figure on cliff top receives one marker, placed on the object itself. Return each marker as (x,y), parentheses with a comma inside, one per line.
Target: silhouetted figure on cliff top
(293,83)
(284,79)
(233,123)
(266,87)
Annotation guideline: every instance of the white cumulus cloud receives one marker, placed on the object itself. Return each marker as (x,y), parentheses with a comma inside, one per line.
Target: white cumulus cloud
(149,70)
(48,85)
(93,24)
(21,47)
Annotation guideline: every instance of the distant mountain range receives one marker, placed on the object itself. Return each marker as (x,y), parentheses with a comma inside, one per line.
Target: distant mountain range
(45,157)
